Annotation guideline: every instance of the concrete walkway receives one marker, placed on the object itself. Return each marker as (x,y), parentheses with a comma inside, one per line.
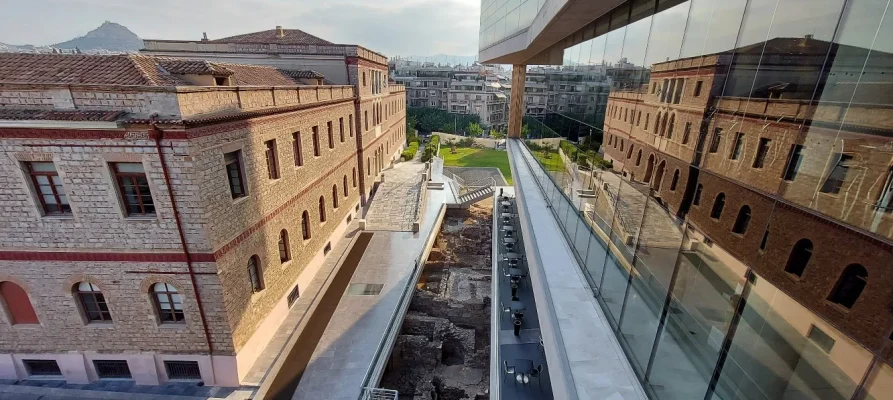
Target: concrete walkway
(350,344)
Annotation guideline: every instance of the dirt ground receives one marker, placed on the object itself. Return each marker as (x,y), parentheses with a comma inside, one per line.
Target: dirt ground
(443,351)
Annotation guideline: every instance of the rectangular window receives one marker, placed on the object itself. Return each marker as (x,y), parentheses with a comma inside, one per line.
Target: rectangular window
(714,141)
(341,128)
(315,141)
(762,152)
(736,149)
(116,369)
(795,157)
(297,148)
(686,133)
(837,175)
(133,187)
(366,119)
(183,370)
(48,186)
(698,86)
(234,173)
(885,200)
(42,368)
(820,339)
(350,124)
(294,295)
(272,163)
(331,135)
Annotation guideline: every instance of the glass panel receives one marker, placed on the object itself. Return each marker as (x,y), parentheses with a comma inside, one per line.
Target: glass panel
(130,167)
(772,358)
(705,293)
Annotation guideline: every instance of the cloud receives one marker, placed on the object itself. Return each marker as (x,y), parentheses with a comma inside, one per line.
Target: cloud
(391,27)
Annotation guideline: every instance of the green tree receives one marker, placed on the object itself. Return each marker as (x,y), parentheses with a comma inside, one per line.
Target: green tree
(498,135)
(525,130)
(475,130)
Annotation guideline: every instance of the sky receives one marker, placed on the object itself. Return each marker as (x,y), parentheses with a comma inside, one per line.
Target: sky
(392,27)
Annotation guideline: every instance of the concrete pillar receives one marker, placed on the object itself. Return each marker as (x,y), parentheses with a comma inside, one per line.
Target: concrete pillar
(516,107)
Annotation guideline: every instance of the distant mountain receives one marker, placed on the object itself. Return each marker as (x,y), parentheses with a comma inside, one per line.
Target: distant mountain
(443,59)
(109,36)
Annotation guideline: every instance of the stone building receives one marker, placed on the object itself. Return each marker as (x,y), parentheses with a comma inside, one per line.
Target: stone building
(725,149)
(161,215)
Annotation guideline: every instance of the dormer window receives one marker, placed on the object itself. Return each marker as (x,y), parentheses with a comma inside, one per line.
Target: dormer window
(221,81)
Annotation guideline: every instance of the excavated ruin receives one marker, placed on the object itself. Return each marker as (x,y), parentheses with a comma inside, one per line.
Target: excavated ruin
(443,350)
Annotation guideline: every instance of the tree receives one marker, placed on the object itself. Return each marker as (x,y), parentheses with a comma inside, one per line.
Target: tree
(475,129)
(498,135)
(525,130)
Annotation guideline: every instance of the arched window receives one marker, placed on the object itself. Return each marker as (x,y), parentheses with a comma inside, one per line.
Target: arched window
(18,305)
(255,274)
(698,191)
(742,221)
(92,302)
(850,285)
(629,153)
(168,303)
(335,196)
(305,225)
(344,185)
(718,205)
(675,181)
(670,127)
(284,246)
(355,177)
(639,157)
(322,209)
(799,258)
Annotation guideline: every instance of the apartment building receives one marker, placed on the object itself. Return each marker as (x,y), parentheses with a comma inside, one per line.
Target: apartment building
(574,91)
(478,90)
(740,245)
(162,214)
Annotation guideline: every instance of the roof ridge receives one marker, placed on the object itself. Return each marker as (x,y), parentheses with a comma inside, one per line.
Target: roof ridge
(145,74)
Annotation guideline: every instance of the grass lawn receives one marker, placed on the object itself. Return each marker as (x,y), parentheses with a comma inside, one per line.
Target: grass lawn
(475,157)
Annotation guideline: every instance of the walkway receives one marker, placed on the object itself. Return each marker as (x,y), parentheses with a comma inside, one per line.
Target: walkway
(395,202)
(369,309)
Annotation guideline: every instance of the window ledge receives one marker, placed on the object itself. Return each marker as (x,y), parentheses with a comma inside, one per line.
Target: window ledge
(100,325)
(142,218)
(837,307)
(172,325)
(285,264)
(27,326)
(240,200)
(58,217)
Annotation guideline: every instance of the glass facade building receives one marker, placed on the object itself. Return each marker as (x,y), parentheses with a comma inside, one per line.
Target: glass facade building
(734,211)
(502,19)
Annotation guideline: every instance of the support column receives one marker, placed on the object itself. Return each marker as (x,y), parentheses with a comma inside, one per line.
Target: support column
(516,107)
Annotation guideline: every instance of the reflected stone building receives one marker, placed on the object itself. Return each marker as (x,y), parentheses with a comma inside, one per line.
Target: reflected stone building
(740,246)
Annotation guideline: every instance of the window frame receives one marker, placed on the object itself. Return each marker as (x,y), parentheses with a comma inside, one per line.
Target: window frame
(763,147)
(54,189)
(316,150)
(272,159)
(255,274)
(134,176)
(297,148)
(95,298)
(240,173)
(173,312)
(331,134)
(284,245)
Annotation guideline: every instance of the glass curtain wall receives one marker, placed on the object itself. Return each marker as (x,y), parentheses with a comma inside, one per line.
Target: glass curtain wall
(792,99)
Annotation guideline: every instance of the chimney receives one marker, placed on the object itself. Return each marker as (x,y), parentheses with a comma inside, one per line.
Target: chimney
(204,36)
(280,30)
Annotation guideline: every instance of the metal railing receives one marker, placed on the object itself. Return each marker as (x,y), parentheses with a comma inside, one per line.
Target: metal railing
(379,394)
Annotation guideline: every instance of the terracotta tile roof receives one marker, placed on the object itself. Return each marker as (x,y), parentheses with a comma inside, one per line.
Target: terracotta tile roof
(256,75)
(289,36)
(136,70)
(56,115)
(192,67)
(302,74)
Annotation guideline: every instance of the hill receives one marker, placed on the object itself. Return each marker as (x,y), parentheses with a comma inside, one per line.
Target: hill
(109,36)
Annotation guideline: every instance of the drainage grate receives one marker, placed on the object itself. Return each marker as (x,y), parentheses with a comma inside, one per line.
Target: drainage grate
(182,370)
(112,369)
(364,289)
(42,367)
(379,394)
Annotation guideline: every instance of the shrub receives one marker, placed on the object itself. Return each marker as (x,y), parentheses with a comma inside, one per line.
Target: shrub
(431,148)
(410,151)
